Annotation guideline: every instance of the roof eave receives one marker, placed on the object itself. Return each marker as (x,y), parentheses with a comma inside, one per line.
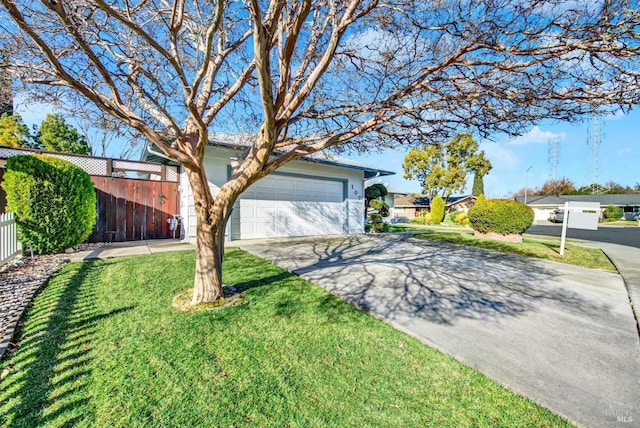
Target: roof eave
(369,172)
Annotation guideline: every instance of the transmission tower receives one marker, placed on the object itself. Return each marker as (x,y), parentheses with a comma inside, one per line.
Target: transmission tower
(594,139)
(554,157)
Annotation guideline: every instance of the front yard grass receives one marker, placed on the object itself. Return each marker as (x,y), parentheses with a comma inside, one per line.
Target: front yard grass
(542,247)
(102,347)
(623,223)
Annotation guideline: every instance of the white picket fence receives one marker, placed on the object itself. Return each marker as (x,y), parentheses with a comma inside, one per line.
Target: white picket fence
(9,245)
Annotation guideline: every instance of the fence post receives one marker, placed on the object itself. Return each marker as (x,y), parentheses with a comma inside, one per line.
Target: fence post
(9,245)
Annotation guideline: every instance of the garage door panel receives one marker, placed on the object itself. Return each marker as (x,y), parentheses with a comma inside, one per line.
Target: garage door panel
(291,206)
(285,185)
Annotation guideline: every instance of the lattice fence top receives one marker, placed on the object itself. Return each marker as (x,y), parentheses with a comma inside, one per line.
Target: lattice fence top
(104,166)
(93,166)
(172,173)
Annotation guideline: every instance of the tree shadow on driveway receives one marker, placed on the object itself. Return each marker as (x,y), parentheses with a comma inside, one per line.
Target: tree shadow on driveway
(396,275)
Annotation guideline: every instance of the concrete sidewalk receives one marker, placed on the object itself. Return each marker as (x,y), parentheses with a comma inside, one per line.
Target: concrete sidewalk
(561,335)
(131,248)
(627,261)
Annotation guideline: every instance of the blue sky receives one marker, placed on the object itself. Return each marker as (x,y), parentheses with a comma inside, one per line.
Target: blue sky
(619,155)
(618,158)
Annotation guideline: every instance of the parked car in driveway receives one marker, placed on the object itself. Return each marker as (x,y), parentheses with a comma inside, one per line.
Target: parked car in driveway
(556,216)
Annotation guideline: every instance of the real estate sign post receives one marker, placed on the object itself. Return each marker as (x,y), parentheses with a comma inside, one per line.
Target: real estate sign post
(579,215)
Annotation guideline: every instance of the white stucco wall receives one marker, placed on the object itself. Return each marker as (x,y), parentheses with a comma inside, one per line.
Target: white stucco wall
(217,166)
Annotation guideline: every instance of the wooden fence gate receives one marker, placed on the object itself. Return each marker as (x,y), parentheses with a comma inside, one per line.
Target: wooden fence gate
(133,210)
(129,209)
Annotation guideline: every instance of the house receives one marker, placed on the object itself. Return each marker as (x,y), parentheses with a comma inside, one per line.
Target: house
(318,194)
(543,205)
(410,207)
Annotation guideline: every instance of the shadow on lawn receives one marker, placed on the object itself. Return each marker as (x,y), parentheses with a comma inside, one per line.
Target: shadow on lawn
(51,371)
(261,282)
(292,296)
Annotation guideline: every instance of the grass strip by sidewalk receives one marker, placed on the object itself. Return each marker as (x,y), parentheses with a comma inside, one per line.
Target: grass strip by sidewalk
(102,347)
(541,247)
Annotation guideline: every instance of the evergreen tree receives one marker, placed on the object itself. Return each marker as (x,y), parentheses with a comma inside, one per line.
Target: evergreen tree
(13,131)
(57,135)
(478,185)
(437,209)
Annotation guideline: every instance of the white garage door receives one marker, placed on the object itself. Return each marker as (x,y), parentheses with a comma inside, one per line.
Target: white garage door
(280,205)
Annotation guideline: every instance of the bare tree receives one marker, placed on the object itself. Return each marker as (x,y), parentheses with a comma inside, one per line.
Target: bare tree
(303,76)
(556,187)
(107,136)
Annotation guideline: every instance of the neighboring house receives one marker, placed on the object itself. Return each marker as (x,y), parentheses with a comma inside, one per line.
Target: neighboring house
(315,195)
(410,207)
(459,203)
(543,205)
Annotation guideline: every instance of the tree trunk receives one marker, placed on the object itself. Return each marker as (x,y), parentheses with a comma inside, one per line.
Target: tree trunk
(210,230)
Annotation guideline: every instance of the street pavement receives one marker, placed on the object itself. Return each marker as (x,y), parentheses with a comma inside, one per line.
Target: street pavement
(560,335)
(628,236)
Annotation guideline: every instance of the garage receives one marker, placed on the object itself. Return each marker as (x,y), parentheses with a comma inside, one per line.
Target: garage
(319,194)
(291,205)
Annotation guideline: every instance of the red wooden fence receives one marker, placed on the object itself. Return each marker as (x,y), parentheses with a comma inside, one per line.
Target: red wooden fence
(133,210)
(128,209)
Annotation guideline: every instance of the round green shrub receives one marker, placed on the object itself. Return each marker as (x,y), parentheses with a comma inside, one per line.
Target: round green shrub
(54,202)
(381,188)
(375,218)
(503,216)
(372,192)
(460,217)
(375,191)
(381,206)
(613,212)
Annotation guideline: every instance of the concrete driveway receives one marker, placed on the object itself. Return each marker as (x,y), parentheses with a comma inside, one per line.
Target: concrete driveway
(560,335)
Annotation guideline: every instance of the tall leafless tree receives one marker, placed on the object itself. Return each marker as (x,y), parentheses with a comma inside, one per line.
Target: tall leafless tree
(307,75)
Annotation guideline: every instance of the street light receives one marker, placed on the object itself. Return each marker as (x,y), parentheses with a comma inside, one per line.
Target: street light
(526,184)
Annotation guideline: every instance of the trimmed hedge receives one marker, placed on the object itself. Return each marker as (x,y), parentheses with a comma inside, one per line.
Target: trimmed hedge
(54,202)
(503,216)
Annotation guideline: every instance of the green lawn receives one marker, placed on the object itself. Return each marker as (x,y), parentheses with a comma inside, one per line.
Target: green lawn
(102,347)
(623,223)
(543,247)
